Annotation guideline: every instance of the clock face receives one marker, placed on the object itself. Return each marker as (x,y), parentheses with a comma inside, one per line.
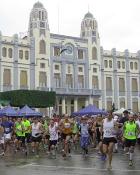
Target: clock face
(69,50)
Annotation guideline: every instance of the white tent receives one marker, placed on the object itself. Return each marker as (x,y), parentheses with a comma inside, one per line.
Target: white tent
(120,111)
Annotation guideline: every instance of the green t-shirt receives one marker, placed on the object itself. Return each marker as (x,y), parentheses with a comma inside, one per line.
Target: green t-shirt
(27,125)
(19,129)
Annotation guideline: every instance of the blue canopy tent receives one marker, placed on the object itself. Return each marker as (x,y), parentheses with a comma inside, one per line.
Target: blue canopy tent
(28,112)
(8,111)
(90,110)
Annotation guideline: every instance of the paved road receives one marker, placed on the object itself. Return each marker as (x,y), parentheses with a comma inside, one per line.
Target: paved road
(75,165)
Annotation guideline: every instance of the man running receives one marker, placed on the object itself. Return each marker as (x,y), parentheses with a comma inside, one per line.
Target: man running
(37,129)
(53,132)
(65,126)
(8,129)
(109,127)
(84,132)
(130,133)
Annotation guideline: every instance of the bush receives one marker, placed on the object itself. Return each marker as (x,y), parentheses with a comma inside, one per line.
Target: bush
(32,98)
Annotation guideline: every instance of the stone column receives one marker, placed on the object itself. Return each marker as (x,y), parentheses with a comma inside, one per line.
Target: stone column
(128,85)
(75,104)
(32,64)
(63,105)
(115,79)
(16,74)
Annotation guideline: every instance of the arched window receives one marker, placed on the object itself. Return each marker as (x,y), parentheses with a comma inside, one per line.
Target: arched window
(136,65)
(23,79)
(4,52)
(94,53)
(10,53)
(42,47)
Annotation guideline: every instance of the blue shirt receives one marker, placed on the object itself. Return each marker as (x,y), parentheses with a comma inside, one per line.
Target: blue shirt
(7,127)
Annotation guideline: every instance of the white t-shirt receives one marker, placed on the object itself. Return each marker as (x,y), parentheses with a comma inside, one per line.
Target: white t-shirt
(138,122)
(53,132)
(36,129)
(108,128)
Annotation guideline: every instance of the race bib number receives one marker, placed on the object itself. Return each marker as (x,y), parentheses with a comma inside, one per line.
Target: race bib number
(131,133)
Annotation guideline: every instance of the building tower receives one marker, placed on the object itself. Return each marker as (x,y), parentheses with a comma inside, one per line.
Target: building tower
(39,35)
(89,30)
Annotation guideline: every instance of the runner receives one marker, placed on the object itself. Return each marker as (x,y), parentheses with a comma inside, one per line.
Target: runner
(109,126)
(8,128)
(27,129)
(130,133)
(53,132)
(65,126)
(84,139)
(37,130)
(20,135)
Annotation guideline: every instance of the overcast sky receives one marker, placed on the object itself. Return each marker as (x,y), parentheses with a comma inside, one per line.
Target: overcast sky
(118,20)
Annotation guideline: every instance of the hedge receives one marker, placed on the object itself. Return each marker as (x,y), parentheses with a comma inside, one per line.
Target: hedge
(32,98)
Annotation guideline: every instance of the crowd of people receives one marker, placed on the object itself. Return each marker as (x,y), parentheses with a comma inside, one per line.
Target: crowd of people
(105,133)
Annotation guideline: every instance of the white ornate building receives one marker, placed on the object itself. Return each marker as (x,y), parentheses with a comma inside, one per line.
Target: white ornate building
(77,68)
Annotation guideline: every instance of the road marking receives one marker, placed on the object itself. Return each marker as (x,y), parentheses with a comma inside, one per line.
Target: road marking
(77,168)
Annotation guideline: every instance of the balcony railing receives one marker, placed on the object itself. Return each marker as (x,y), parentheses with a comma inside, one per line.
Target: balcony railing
(72,91)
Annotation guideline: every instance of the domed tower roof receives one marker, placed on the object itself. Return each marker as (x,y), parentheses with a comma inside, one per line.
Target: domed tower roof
(88,15)
(38,5)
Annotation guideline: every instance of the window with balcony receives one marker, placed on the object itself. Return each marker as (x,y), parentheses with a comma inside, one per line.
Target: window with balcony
(134,85)
(110,64)
(69,81)
(10,53)
(21,54)
(80,54)
(57,80)
(105,63)
(121,84)
(23,79)
(56,51)
(26,54)
(94,53)
(119,64)
(4,52)
(42,79)
(123,64)
(108,84)
(42,47)
(7,77)
(80,81)
(95,83)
